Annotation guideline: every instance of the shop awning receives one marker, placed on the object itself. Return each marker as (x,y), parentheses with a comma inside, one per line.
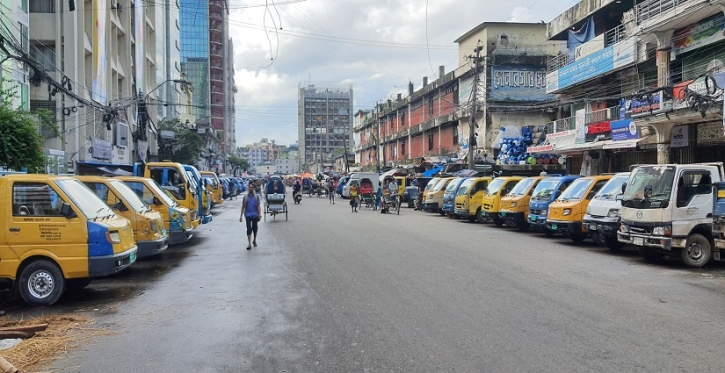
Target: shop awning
(629,144)
(432,171)
(553,144)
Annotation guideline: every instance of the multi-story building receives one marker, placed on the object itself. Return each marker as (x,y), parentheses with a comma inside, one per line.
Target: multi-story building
(263,152)
(324,123)
(206,60)
(434,121)
(641,83)
(14,14)
(106,53)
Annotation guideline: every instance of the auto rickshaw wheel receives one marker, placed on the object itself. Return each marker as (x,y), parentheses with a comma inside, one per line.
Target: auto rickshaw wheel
(41,283)
(480,218)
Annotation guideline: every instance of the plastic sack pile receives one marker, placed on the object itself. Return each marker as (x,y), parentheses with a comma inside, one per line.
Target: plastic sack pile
(513,141)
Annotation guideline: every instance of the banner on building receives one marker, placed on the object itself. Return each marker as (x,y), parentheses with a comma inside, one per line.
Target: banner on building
(707,31)
(519,83)
(610,58)
(581,130)
(643,106)
(680,137)
(101,149)
(710,132)
(598,131)
(624,130)
(100,61)
(140,61)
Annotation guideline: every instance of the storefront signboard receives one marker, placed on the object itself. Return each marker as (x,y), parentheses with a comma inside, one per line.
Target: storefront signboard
(707,31)
(101,149)
(679,137)
(599,130)
(641,106)
(624,129)
(710,132)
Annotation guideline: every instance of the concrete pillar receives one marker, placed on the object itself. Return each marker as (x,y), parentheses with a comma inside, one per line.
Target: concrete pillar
(663,153)
(664,45)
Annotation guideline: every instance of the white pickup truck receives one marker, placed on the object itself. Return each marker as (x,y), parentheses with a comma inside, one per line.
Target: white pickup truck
(667,211)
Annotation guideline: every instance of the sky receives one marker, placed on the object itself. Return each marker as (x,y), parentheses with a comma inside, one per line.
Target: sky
(378,46)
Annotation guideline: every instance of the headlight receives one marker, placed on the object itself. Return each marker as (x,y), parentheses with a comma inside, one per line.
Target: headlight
(613,213)
(567,212)
(154,226)
(589,210)
(513,204)
(665,230)
(113,237)
(624,228)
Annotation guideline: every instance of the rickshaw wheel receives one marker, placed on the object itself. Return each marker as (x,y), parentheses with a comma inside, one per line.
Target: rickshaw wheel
(285,214)
(397,207)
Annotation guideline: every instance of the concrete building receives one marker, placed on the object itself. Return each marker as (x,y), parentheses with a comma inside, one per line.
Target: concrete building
(434,121)
(14,13)
(324,123)
(640,84)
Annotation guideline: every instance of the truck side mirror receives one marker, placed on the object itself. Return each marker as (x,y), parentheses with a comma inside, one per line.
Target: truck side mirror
(647,191)
(120,206)
(67,211)
(619,197)
(624,186)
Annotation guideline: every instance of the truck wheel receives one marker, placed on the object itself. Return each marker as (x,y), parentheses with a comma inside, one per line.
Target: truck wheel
(697,251)
(41,283)
(599,239)
(480,218)
(522,226)
(613,244)
(577,237)
(648,255)
(510,223)
(497,221)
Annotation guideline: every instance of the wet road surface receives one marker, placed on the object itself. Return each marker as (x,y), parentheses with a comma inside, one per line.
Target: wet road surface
(335,291)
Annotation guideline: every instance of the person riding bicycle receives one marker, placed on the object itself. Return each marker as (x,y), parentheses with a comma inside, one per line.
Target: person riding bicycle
(296,187)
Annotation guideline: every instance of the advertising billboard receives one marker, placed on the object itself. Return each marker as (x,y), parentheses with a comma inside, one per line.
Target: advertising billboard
(700,34)
(100,61)
(514,83)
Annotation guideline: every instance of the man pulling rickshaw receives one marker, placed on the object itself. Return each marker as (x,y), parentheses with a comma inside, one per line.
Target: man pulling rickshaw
(391,197)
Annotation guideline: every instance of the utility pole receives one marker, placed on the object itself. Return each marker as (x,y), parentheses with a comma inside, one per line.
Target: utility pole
(377,137)
(477,69)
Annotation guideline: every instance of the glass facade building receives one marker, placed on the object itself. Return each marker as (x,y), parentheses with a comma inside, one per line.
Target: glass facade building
(194,16)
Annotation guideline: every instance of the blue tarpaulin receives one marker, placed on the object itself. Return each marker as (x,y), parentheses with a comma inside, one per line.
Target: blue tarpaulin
(432,171)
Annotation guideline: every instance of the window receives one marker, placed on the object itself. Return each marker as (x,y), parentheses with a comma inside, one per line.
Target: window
(35,199)
(42,6)
(455,135)
(430,106)
(691,184)
(402,148)
(44,56)
(430,142)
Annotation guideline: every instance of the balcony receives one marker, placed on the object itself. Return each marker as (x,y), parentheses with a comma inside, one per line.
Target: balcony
(569,124)
(611,37)
(651,9)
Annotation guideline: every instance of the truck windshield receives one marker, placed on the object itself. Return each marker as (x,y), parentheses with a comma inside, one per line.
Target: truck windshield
(211,181)
(463,189)
(545,190)
(90,205)
(432,184)
(495,185)
(193,186)
(522,187)
(612,188)
(577,190)
(452,185)
(659,178)
(439,186)
(129,196)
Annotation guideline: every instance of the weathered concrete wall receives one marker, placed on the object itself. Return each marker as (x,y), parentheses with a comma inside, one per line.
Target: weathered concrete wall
(573,15)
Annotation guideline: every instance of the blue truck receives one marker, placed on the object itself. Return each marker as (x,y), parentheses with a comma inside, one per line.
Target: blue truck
(548,190)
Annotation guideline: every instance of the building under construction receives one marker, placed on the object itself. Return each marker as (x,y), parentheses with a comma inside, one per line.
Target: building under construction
(324,124)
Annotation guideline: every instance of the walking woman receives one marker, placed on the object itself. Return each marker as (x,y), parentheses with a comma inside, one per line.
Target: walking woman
(251,210)
(354,194)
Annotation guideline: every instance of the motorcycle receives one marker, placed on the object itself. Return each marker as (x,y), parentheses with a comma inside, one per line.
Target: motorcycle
(297,196)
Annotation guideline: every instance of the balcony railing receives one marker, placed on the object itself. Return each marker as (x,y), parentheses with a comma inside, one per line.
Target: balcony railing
(650,9)
(568,124)
(611,37)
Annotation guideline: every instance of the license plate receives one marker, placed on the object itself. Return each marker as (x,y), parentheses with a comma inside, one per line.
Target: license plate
(502,213)
(592,227)
(132,257)
(163,232)
(639,241)
(483,213)
(553,226)
(532,218)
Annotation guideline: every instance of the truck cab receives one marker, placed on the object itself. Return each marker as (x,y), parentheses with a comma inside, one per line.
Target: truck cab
(433,201)
(58,235)
(214,187)
(203,195)
(491,198)
(566,213)
(667,210)
(449,195)
(515,205)
(544,193)
(148,225)
(602,215)
(173,178)
(468,197)
(176,218)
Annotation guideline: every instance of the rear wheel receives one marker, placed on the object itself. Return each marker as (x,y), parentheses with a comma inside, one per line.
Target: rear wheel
(41,283)
(697,251)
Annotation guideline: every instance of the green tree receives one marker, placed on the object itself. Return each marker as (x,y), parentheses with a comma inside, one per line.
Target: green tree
(184,147)
(239,163)
(21,146)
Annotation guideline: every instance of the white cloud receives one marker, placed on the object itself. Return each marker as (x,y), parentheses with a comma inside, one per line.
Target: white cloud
(384,48)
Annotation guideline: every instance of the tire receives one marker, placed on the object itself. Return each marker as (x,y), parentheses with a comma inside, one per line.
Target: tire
(41,283)
(697,251)
(599,239)
(480,218)
(440,211)
(648,255)
(510,223)
(613,244)
(497,221)
(522,226)
(577,237)
(397,207)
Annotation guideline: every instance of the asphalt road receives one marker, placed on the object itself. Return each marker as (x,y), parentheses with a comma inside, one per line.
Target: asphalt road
(335,291)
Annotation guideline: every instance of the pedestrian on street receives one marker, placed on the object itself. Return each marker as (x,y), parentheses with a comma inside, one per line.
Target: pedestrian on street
(354,192)
(251,210)
(331,191)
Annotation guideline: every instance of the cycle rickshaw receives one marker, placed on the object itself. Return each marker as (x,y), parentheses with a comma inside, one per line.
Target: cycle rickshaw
(274,195)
